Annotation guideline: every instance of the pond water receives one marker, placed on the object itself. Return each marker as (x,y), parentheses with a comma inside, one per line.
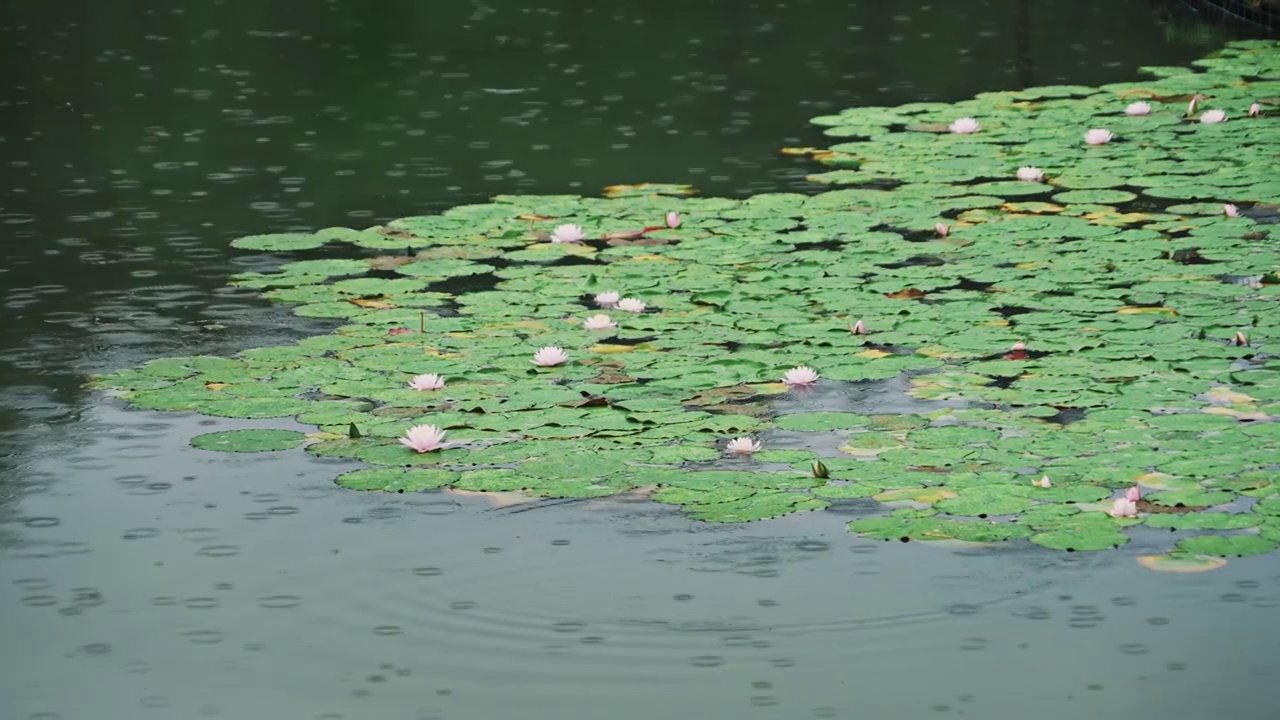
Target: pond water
(140,577)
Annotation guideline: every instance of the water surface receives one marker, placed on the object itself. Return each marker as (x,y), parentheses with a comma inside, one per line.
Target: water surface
(142,578)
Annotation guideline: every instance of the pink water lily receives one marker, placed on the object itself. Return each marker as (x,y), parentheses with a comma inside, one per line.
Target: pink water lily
(673,220)
(1133,494)
(607,299)
(430,381)
(1255,110)
(599,322)
(942,229)
(1098,136)
(1138,108)
(550,356)
(802,375)
(858,328)
(399,331)
(743,446)
(1231,210)
(1123,507)
(424,438)
(1213,116)
(1030,174)
(964,126)
(1043,482)
(631,305)
(568,233)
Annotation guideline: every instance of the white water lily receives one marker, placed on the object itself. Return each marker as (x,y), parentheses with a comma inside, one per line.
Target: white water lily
(1028,173)
(568,233)
(1098,136)
(607,299)
(965,126)
(599,322)
(1138,108)
(1123,507)
(550,356)
(430,381)
(424,438)
(802,375)
(631,305)
(1213,116)
(743,446)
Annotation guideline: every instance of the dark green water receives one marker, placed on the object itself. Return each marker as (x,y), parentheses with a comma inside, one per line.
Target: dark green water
(142,578)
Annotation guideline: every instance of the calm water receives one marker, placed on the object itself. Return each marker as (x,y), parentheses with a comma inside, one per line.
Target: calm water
(142,578)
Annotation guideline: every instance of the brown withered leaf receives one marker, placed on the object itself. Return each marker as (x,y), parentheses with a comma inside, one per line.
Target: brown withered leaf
(389,262)
(905,294)
(371,303)
(394,233)
(593,401)
(716,396)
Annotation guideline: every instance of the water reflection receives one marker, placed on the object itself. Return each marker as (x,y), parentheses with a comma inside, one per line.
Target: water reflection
(472,613)
(141,573)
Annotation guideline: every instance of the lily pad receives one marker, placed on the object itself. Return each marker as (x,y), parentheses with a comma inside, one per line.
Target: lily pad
(249,441)
(1227,545)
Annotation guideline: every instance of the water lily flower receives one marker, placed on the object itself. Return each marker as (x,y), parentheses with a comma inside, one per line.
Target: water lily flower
(1098,136)
(1018,346)
(673,220)
(858,328)
(1123,507)
(1231,210)
(1240,340)
(430,381)
(964,126)
(1213,116)
(1191,106)
(567,233)
(1030,174)
(550,356)
(631,305)
(942,229)
(424,438)
(607,299)
(599,322)
(1138,108)
(1255,110)
(802,375)
(1133,494)
(743,446)
(1043,482)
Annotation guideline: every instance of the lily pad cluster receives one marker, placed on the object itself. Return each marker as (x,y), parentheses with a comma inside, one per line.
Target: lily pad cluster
(1081,329)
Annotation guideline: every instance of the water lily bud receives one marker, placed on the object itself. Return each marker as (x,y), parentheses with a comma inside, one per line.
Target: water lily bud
(819,470)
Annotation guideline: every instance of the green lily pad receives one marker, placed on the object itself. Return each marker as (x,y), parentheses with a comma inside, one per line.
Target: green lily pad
(249,441)
(1227,545)
(396,479)
(1083,328)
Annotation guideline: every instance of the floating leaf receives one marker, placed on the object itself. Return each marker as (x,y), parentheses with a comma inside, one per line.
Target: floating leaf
(248,441)
(1227,545)
(1181,562)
